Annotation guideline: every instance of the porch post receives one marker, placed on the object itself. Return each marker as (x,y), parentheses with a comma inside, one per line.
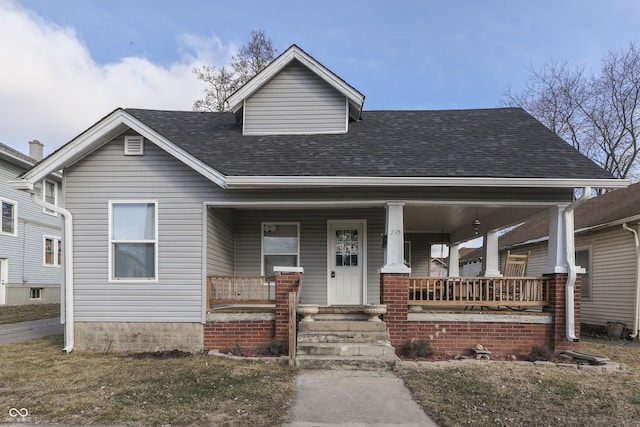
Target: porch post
(490,256)
(454,260)
(394,253)
(287,280)
(557,258)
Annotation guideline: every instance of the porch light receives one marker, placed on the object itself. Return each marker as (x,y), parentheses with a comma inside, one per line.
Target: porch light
(476,224)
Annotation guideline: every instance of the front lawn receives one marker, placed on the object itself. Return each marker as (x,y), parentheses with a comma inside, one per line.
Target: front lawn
(23,313)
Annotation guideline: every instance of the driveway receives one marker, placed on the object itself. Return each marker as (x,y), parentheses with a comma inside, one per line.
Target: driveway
(23,331)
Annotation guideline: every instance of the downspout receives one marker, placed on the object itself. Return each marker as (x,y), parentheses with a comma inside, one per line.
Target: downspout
(571,264)
(636,317)
(68,269)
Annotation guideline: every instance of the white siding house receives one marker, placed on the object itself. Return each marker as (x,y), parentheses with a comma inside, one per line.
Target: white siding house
(30,236)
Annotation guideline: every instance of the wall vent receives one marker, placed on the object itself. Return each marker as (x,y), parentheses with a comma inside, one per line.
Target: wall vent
(133,146)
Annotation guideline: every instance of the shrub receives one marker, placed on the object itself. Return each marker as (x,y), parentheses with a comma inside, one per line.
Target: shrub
(540,352)
(417,349)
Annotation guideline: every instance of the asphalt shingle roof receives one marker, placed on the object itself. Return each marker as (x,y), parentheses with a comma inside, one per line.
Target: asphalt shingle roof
(610,207)
(501,142)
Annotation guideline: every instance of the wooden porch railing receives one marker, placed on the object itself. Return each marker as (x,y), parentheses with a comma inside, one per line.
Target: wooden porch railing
(479,291)
(241,290)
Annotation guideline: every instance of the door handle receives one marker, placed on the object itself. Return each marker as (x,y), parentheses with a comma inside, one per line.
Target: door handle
(333,274)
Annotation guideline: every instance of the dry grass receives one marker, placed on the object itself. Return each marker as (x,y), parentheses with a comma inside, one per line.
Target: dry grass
(508,394)
(109,389)
(23,313)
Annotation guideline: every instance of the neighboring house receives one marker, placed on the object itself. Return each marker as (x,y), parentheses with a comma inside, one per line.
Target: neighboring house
(30,236)
(180,219)
(606,246)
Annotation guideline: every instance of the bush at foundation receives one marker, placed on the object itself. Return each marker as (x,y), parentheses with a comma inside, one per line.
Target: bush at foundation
(540,352)
(417,349)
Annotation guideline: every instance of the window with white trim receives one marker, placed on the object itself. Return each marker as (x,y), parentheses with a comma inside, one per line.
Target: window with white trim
(133,240)
(35,293)
(280,245)
(50,194)
(52,251)
(583,259)
(9,223)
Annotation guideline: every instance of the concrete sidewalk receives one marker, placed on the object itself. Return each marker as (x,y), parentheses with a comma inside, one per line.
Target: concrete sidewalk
(354,399)
(23,331)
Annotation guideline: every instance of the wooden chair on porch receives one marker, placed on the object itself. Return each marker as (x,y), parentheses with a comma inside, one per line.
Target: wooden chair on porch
(516,265)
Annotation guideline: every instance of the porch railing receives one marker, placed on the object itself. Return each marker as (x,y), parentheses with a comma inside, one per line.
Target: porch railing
(241,290)
(479,291)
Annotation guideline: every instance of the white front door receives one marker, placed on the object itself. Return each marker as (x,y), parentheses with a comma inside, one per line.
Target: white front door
(4,278)
(346,261)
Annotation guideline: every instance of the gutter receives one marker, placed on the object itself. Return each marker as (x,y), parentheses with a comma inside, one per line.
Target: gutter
(68,270)
(571,265)
(636,316)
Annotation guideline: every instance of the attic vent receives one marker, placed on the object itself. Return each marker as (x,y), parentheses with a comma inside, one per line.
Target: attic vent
(133,146)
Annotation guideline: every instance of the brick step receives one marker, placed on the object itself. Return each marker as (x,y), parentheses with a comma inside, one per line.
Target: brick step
(341,337)
(364,363)
(342,325)
(346,349)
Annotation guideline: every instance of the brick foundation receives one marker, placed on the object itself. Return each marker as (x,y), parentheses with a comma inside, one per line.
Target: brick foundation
(506,336)
(252,332)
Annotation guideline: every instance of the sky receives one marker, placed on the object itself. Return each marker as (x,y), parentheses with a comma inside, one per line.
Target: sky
(65,64)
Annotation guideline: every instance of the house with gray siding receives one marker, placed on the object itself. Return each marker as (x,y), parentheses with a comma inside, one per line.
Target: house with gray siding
(606,248)
(189,229)
(30,235)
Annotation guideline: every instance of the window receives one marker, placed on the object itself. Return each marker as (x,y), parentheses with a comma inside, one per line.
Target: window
(583,259)
(50,194)
(280,246)
(9,218)
(52,251)
(35,293)
(133,241)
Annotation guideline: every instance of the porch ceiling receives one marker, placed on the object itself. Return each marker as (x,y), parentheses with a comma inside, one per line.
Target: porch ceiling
(457,220)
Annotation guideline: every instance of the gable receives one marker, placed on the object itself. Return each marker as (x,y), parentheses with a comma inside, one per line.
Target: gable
(295,101)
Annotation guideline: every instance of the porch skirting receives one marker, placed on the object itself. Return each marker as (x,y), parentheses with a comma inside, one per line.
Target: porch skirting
(138,336)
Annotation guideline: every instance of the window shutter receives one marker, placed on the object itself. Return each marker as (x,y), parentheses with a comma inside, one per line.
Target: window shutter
(133,146)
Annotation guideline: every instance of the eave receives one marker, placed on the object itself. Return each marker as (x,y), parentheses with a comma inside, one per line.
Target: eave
(248,182)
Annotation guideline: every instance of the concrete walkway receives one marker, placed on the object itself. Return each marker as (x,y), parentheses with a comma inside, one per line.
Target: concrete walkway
(23,331)
(354,399)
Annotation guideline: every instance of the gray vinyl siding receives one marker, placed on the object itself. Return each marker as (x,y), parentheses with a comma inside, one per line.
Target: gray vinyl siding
(420,255)
(296,101)
(25,251)
(108,175)
(612,272)
(612,277)
(313,246)
(220,242)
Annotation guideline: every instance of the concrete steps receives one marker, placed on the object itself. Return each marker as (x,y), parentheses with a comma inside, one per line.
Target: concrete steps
(344,344)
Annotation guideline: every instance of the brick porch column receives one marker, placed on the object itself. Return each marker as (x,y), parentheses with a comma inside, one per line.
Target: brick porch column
(557,306)
(286,281)
(394,292)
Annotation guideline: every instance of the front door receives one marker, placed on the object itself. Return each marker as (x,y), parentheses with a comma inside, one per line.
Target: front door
(4,278)
(346,256)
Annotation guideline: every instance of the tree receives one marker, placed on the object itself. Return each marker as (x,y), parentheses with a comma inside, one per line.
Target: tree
(250,60)
(598,114)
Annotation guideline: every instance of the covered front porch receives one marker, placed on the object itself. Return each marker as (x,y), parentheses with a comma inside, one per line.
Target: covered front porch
(373,247)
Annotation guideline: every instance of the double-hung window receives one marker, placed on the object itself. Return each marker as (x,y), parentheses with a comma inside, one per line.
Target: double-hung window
(52,251)
(50,194)
(280,246)
(133,240)
(9,213)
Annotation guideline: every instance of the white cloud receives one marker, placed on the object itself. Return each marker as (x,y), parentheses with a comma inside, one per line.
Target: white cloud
(51,89)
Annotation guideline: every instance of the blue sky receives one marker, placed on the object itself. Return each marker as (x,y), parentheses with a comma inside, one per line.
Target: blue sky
(67,63)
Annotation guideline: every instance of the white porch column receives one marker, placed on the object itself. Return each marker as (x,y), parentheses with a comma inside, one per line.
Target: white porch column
(454,260)
(557,258)
(490,255)
(394,254)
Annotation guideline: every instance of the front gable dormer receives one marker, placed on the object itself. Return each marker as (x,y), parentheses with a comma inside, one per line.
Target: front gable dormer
(295,94)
